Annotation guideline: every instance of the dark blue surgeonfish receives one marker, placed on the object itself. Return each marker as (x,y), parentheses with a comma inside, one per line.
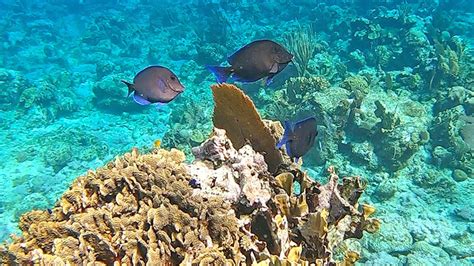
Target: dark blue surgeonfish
(299,137)
(154,85)
(256,60)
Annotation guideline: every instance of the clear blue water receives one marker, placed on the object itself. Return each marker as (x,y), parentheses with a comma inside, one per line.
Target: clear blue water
(391,84)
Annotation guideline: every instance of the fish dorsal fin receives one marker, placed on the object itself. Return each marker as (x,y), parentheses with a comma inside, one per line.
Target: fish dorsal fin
(231,58)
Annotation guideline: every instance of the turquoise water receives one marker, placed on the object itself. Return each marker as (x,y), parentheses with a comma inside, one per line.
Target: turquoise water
(391,84)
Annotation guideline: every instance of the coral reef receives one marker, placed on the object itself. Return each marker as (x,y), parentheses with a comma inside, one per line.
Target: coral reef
(12,85)
(236,113)
(452,143)
(225,207)
(180,135)
(141,209)
(110,95)
(48,100)
(302,45)
(389,82)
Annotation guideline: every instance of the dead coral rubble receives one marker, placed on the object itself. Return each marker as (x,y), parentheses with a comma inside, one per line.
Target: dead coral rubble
(140,209)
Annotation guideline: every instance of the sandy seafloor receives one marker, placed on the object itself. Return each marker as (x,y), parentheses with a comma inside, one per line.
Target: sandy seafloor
(64,110)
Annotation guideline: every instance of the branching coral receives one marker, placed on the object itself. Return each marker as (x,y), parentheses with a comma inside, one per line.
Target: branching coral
(302,44)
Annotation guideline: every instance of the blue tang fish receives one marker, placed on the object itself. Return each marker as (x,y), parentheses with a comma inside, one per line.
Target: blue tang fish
(254,61)
(154,85)
(298,137)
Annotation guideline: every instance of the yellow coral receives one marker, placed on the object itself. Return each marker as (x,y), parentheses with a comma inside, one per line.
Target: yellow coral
(285,181)
(368,210)
(235,112)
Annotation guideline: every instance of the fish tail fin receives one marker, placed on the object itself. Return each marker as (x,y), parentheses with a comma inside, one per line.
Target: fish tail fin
(221,73)
(130,86)
(286,135)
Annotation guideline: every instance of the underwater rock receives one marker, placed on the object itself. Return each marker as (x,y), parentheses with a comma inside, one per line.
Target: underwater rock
(364,152)
(356,85)
(467,130)
(235,175)
(383,258)
(64,146)
(452,97)
(459,175)
(465,213)
(423,253)
(109,96)
(394,238)
(436,182)
(58,157)
(50,98)
(396,142)
(12,85)
(385,190)
(446,130)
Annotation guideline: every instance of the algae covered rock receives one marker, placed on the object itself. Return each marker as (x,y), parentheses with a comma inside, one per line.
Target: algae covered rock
(12,85)
(110,95)
(423,253)
(395,143)
(393,238)
(452,146)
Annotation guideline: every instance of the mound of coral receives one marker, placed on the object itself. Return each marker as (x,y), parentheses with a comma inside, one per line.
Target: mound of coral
(142,209)
(224,207)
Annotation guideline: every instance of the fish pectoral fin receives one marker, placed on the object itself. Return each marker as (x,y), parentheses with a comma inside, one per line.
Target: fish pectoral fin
(162,85)
(140,100)
(274,68)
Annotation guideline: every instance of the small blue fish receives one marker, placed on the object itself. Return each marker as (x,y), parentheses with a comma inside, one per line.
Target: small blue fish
(154,85)
(194,183)
(254,61)
(299,137)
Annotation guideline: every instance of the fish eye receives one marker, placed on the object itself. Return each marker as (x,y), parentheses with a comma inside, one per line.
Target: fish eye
(173,78)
